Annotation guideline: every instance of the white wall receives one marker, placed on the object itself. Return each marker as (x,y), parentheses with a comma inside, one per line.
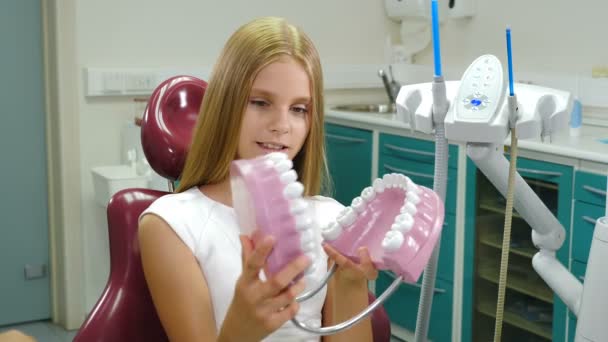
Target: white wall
(548,36)
(189,34)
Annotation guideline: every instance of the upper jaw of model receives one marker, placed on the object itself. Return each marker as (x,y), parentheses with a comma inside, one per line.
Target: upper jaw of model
(398,221)
(268,200)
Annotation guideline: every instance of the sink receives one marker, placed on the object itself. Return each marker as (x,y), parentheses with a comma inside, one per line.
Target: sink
(366,108)
(108,180)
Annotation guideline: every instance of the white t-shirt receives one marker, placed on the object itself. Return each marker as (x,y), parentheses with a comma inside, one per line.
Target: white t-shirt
(210,230)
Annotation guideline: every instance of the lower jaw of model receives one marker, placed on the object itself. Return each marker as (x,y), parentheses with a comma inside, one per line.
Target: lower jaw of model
(398,221)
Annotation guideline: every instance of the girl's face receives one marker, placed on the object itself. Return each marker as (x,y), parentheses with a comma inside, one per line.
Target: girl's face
(277,116)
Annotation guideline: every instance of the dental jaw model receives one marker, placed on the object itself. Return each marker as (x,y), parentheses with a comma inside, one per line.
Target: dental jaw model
(268,200)
(398,221)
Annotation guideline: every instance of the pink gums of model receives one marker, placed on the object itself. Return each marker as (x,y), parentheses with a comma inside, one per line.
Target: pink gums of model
(268,201)
(398,221)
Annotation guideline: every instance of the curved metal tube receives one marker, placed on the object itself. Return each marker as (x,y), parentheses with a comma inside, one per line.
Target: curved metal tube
(347,324)
(306,295)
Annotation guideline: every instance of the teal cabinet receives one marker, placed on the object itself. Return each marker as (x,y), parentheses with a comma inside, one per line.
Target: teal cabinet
(589,205)
(532,311)
(583,225)
(590,188)
(402,306)
(415,158)
(349,159)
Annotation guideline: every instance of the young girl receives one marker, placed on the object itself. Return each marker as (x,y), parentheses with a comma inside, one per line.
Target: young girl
(265,95)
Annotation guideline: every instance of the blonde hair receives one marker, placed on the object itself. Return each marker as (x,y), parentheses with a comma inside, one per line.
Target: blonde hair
(216,136)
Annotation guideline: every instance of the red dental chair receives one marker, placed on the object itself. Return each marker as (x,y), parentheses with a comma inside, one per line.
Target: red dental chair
(125,311)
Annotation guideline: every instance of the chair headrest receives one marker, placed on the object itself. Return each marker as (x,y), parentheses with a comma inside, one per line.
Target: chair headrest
(168,122)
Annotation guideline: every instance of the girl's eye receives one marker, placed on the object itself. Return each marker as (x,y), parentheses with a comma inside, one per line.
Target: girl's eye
(300,109)
(259,103)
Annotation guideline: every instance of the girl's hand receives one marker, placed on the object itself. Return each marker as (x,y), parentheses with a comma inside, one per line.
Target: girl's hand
(350,271)
(261,307)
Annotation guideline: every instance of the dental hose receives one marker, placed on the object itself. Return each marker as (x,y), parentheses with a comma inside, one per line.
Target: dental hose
(440,109)
(506,238)
(430,271)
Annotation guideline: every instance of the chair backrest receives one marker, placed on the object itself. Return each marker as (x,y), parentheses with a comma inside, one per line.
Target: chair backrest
(125,311)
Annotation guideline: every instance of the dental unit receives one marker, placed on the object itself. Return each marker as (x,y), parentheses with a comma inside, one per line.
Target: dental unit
(400,222)
(482,113)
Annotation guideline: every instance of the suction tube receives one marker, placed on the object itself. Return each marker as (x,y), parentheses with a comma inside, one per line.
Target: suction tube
(440,109)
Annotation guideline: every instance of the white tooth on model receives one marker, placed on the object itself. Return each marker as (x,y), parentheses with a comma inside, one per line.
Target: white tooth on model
(303,222)
(392,241)
(409,208)
(347,217)
(276,156)
(308,246)
(403,223)
(307,236)
(378,185)
(413,187)
(331,231)
(358,204)
(297,206)
(412,197)
(283,165)
(388,180)
(368,194)
(293,190)
(402,179)
(288,177)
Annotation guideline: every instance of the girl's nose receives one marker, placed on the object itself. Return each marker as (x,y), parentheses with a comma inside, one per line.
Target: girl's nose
(279,122)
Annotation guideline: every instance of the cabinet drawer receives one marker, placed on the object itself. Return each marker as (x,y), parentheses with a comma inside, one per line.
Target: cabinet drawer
(402,306)
(590,188)
(445,269)
(583,225)
(421,174)
(414,149)
(349,160)
(334,133)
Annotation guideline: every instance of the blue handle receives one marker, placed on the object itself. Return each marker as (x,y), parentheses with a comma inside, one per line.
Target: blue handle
(436,48)
(510,61)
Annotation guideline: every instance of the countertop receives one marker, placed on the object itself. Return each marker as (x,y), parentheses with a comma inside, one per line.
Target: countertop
(587,146)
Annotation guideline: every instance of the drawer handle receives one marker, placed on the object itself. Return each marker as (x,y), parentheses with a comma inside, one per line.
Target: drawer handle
(408,150)
(392,275)
(539,172)
(346,139)
(590,220)
(405,172)
(594,190)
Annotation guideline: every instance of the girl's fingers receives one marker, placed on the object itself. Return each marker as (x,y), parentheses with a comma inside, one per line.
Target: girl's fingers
(286,297)
(280,317)
(366,264)
(340,259)
(256,259)
(285,276)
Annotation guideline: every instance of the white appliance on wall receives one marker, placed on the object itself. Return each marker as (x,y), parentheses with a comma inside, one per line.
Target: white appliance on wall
(413,16)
